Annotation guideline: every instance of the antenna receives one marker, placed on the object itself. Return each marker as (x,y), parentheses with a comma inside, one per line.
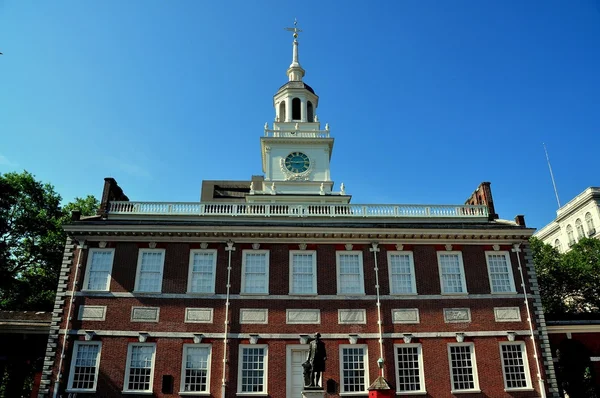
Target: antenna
(552,176)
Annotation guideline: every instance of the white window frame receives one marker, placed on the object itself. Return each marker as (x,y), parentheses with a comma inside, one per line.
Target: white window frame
(139,268)
(182,390)
(529,386)
(510,271)
(313,254)
(191,268)
(579,228)
(473,361)
(365,362)
(86,278)
(393,289)
(128,368)
(265,369)
(243,287)
(359,253)
(462,272)
(421,390)
(72,368)
(589,223)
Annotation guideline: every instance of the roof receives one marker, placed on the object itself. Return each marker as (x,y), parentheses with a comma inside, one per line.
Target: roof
(295,84)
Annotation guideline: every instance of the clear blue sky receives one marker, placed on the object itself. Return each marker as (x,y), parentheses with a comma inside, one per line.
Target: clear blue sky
(425,99)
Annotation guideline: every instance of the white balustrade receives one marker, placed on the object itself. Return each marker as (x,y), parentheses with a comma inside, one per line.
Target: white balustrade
(297,133)
(297,210)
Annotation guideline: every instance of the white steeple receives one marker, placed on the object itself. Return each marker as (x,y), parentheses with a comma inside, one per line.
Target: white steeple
(295,72)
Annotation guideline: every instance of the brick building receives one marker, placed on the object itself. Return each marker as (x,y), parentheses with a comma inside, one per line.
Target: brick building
(219,297)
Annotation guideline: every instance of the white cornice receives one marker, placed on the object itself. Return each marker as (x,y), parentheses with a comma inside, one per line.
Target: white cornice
(554,329)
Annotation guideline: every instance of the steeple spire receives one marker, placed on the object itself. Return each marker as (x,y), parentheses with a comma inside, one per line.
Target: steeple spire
(295,71)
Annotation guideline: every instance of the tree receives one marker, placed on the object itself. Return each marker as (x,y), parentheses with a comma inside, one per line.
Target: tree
(32,240)
(570,282)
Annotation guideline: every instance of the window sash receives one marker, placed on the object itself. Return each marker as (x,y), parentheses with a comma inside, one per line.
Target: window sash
(252,370)
(402,273)
(84,366)
(500,272)
(140,367)
(350,273)
(452,274)
(99,268)
(202,271)
(196,368)
(514,366)
(150,270)
(463,371)
(353,369)
(409,368)
(255,272)
(303,272)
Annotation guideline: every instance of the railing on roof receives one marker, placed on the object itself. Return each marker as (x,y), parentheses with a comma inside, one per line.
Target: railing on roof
(297,133)
(296,210)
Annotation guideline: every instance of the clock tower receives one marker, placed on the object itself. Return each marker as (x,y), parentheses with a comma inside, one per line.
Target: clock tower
(296,152)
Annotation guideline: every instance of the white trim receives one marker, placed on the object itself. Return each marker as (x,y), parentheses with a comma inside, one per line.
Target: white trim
(74,358)
(498,311)
(451,313)
(529,386)
(265,381)
(190,309)
(313,254)
(419,347)
(358,253)
(128,367)
(190,268)
(135,308)
(405,310)
(263,311)
(86,278)
(289,311)
(359,312)
(553,329)
(366,370)
(288,364)
(411,260)
(462,272)
(473,361)
(511,277)
(84,307)
(139,266)
(243,283)
(183,368)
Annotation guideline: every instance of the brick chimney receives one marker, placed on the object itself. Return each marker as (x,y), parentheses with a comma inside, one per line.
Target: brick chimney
(483,196)
(112,191)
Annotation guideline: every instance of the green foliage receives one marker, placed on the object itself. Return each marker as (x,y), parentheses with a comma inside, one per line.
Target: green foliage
(32,240)
(570,282)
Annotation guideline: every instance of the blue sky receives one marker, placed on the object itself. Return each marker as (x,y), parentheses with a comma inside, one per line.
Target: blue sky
(425,99)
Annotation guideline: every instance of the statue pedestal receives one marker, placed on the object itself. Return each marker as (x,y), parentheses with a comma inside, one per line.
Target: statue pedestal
(313,393)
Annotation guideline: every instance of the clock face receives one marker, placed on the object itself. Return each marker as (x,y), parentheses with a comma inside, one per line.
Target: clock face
(297,162)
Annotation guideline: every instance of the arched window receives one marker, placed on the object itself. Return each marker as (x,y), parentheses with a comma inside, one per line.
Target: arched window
(309,112)
(579,227)
(570,235)
(282,111)
(557,245)
(296,109)
(590,223)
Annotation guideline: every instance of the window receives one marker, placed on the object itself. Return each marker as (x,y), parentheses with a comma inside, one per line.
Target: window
(84,366)
(463,369)
(309,112)
(150,270)
(140,367)
(590,224)
(401,268)
(514,366)
(452,273)
(296,113)
(557,245)
(303,272)
(98,269)
(201,278)
(350,273)
(409,368)
(500,272)
(282,112)
(579,228)
(255,271)
(353,368)
(570,235)
(195,374)
(252,369)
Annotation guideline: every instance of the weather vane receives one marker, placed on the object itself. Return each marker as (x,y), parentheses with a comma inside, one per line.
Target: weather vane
(294,29)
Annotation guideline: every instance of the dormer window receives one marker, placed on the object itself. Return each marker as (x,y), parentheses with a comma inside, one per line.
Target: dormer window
(296,113)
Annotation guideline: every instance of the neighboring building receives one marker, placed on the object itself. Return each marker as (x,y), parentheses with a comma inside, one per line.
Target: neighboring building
(219,297)
(577,219)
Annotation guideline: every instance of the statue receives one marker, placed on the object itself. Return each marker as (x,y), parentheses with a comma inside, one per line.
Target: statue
(326,126)
(266,126)
(251,186)
(315,362)
(322,190)
(342,189)
(316,118)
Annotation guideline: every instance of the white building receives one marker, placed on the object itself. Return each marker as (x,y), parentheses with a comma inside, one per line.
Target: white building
(575,220)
